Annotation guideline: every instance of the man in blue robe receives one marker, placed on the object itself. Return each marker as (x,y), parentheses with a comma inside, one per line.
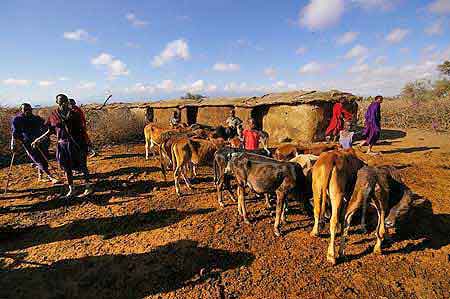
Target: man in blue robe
(26,127)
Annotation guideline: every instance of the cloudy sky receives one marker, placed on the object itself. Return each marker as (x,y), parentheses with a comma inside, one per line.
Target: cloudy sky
(148,50)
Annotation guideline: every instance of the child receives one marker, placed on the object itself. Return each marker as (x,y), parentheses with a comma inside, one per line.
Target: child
(345,136)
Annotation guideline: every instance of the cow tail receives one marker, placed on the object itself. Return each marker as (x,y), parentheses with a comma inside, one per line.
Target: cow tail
(324,195)
(161,163)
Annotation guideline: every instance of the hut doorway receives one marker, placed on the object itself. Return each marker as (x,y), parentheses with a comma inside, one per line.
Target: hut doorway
(258,114)
(191,115)
(149,114)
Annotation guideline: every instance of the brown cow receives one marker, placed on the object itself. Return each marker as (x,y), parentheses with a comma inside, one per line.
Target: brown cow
(186,151)
(153,133)
(333,177)
(266,176)
(383,188)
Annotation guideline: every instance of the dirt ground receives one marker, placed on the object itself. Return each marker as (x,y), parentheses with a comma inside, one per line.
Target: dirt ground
(135,238)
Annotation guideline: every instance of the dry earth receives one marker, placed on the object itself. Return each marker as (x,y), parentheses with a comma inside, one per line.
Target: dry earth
(134,238)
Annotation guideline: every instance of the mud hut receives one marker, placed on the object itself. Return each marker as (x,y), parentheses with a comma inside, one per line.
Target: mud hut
(298,115)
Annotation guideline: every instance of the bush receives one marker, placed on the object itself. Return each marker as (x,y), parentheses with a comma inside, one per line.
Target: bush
(112,126)
(5,133)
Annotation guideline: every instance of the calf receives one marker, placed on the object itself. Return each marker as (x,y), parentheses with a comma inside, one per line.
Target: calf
(188,150)
(266,176)
(222,179)
(333,176)
(383,188)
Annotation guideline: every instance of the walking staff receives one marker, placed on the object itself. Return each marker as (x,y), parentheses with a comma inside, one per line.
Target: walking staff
(71,149)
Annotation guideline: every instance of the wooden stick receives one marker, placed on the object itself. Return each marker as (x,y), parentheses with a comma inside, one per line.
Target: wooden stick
(9,172)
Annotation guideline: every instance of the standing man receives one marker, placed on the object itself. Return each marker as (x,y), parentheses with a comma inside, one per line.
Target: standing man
(175,119)
(234,123)
(373,124)
(336,122)
(26,127)
(74,107)
(71,150)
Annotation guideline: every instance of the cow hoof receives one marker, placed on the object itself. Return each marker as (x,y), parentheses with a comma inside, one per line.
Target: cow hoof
(314,233)
(246,221)
(277,233)
(377,250)
(331,260)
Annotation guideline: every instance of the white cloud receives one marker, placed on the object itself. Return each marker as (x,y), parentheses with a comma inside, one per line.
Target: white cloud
(140,88)
(16,82)
(166,85)
(79,35)
(175,49)
(226,67)
(359,68)
(369,4)
(397,35)
(405,50)
(347,38)
(319,14)
(46,83)
(311,68)
(436,28)
(115,67)
(440,7)
(270,72)
(358,51)
(429,48)
(199,86)
(87,85)
(381,60)
(301,50)
(131,17)
(279,84)
(63,79)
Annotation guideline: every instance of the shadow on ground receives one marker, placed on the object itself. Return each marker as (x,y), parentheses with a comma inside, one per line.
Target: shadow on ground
(164,269)
(433,231)
(108,227)
(408,150)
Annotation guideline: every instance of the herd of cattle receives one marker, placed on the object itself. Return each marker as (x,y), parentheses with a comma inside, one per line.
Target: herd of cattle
(331,183)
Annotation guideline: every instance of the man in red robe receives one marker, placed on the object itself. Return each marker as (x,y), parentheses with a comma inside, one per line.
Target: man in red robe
(336,122)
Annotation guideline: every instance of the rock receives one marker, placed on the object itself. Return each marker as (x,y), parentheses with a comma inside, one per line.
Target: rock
(124,185)
(155,189)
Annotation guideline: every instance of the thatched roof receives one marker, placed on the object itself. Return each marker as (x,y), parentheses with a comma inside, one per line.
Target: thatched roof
(282,98)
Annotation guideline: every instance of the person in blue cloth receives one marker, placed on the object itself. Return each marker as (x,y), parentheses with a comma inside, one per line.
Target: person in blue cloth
(26,127)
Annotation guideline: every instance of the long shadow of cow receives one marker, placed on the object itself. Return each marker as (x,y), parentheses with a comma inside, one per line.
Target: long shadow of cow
(164,269)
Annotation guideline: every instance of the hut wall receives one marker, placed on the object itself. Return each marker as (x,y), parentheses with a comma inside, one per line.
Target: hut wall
(213,116)
(243,113)
(163,115)
(303,123)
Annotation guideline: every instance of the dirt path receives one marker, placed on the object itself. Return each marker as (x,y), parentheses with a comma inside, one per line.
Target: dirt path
(136,239)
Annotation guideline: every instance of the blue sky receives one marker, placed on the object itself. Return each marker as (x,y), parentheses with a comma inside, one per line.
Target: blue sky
(149,50)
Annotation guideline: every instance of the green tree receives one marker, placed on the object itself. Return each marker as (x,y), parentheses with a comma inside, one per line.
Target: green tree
(444,68)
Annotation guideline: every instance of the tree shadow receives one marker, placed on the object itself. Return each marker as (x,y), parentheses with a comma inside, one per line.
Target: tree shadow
(166,268)
(108,227)
(408,150)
